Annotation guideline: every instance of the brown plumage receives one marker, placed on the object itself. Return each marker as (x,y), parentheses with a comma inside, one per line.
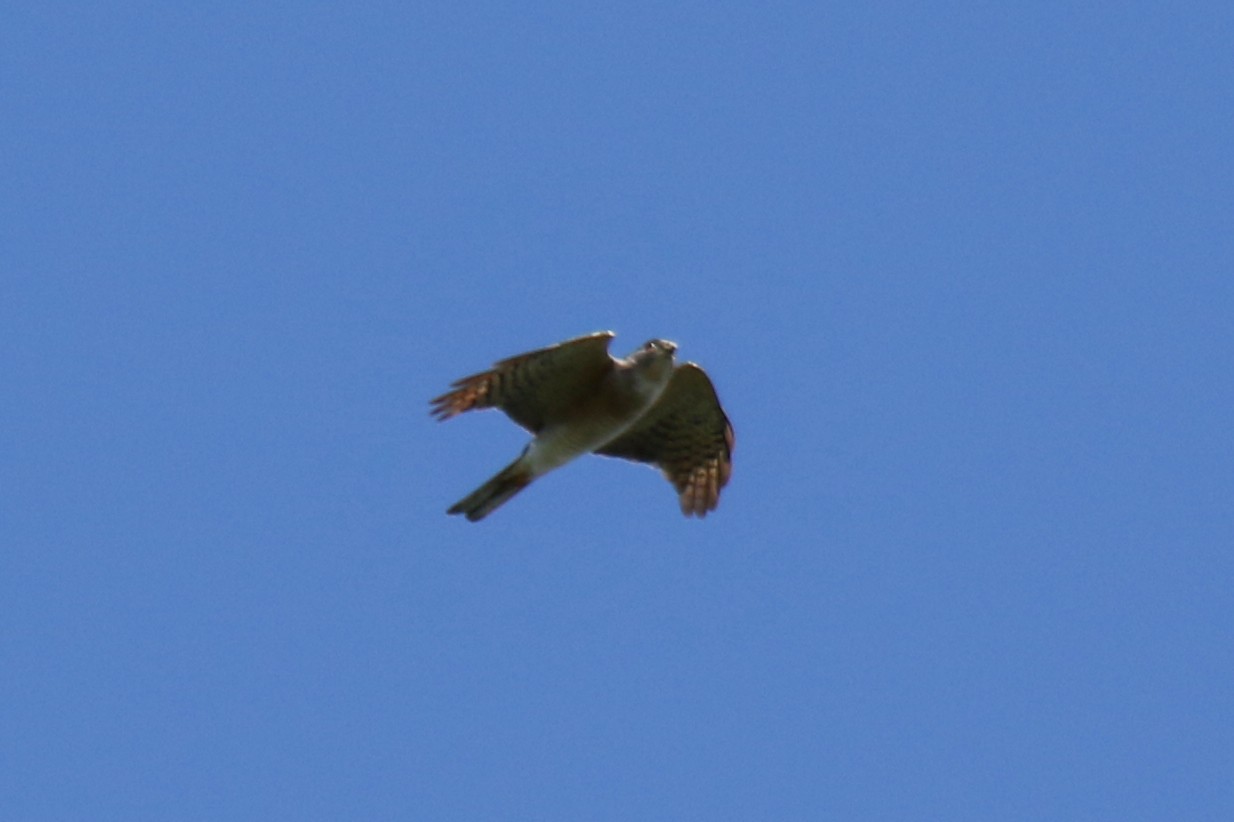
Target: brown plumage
(577,399)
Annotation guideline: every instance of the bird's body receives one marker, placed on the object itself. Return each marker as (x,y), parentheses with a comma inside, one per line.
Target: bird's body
(578,400)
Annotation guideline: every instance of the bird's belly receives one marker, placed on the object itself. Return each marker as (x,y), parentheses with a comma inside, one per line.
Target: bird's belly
(555,447)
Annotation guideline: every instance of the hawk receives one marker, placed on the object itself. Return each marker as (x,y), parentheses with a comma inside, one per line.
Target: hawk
(577,399)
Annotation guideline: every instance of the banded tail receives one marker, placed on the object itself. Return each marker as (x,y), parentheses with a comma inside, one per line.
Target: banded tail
(496,492)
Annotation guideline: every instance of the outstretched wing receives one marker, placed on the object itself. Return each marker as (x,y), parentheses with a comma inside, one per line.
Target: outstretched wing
(686,435)
(535,387)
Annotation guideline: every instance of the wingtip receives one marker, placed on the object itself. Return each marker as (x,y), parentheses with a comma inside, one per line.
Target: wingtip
(700,493)
(607,336)
(441,409)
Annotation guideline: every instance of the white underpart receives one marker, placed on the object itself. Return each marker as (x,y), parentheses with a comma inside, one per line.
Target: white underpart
(554,447)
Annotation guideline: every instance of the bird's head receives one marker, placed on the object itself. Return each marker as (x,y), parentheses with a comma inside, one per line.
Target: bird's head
(661,347)
(655,351)
(654,361)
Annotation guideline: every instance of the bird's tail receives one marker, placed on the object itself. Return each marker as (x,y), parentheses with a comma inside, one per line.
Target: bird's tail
(496,492)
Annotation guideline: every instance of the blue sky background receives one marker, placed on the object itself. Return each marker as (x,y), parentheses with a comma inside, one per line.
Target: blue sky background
(961,273)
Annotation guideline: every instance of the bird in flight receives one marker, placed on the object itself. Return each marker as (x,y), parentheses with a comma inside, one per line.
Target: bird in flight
(577,399)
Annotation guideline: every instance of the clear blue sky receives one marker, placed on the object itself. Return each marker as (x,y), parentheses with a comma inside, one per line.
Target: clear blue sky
(963,276)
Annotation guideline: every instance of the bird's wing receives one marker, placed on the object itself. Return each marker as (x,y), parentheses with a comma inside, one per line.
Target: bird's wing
(687,436)
(536,387)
